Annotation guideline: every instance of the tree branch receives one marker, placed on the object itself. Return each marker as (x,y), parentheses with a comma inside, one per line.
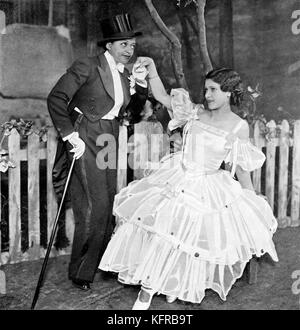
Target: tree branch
(175,43)
(202,36)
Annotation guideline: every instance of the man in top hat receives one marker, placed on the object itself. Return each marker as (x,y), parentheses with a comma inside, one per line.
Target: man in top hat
(86,105)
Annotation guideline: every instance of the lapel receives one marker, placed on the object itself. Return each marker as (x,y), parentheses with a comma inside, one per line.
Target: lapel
(126,87)
(106,76)
(107,80)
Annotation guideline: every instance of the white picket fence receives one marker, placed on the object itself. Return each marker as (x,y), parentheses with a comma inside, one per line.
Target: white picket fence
(286,189)
(33,154)
(281,185)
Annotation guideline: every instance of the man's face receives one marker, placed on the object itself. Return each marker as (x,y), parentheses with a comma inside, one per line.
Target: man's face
(122,50)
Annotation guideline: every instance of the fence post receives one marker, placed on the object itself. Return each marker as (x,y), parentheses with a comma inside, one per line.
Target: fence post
(296,176)
(284,142)
(2,21)
(258,141)
(122,158)
(0,220)
(2,282)
(14,184)
(159,143)
(70,226)
(51,199)
(33,196)
(2,274)
(140,151)
(270,165)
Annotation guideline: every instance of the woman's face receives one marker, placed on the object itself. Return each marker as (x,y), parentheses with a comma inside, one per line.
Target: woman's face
(122,50)
(214,96)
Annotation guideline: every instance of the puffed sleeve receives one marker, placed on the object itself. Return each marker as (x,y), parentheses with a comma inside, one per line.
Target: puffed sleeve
(244,154)
(182,107)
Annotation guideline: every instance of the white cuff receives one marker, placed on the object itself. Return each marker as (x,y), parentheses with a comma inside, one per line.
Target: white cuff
(68,137)
(142,83)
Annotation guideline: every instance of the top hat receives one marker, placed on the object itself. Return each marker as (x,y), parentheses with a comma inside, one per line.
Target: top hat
(118,27)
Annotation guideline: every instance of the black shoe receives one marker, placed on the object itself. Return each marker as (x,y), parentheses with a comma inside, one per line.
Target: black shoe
(81,284)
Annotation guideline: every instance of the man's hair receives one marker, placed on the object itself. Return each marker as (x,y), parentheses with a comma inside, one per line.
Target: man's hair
(105,43)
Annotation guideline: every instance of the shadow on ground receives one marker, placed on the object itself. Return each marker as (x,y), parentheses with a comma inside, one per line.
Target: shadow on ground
(273,291)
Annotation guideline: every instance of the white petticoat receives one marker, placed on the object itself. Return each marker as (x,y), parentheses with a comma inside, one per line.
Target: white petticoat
(181,233)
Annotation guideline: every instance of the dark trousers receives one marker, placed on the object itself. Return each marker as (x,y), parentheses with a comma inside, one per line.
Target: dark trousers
(92,195)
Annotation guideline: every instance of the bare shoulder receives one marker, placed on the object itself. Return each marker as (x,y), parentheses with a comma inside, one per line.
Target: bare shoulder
(235,119)
(203,114)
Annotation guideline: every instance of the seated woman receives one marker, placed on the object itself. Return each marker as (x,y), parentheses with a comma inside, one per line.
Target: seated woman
(190,226)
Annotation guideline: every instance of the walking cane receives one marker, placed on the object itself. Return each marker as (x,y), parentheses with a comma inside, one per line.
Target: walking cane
(37,290)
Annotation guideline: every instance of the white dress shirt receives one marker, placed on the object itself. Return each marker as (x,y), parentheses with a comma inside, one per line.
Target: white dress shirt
(118,89)
(116,68)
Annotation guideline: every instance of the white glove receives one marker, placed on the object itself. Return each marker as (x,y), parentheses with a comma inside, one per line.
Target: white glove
(139,72)
(149,64)
(78,145)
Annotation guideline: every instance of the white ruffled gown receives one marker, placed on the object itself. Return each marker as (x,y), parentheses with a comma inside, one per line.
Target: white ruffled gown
(189,226)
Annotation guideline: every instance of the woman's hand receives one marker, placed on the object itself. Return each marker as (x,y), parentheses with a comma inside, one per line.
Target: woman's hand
(139,72)
(147,62)
(156,85)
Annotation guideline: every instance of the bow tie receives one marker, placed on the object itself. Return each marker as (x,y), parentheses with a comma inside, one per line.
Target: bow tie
(119,67)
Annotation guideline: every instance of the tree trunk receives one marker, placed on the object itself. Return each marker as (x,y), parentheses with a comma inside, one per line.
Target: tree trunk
(175,43)
(72,22)
(202,36)
(194,27)
(226,33)
(91,28)
(183,17)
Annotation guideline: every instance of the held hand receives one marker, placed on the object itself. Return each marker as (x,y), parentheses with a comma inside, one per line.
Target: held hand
(139,72)
(147,62)
(78,145)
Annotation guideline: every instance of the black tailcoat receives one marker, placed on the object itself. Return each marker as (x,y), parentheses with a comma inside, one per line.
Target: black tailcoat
(88,85)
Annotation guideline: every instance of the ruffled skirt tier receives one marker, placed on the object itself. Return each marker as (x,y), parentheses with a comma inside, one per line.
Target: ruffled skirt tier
(181,233)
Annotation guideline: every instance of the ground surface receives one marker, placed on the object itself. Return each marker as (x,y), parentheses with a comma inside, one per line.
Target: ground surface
(273,290)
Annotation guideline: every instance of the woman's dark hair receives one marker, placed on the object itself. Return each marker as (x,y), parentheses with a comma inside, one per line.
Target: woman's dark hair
(229,81)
